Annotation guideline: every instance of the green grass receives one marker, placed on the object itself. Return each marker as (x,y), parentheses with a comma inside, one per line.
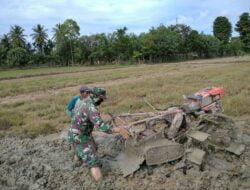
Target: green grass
(47,114)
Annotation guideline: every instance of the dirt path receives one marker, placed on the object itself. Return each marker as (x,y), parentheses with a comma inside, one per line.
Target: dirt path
(41,94)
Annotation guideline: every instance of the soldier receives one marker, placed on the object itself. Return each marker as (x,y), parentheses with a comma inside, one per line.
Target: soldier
(87,116)
(95,90)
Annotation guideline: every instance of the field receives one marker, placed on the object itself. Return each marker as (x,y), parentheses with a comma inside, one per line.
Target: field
(33,101)
(35,153)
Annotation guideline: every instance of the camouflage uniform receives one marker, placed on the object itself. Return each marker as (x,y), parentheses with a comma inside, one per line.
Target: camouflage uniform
(86,117)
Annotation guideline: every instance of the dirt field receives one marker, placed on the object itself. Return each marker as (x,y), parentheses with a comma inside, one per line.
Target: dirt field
(35,105)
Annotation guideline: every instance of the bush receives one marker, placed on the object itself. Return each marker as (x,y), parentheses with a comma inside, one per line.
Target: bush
(236,47)
(18,57)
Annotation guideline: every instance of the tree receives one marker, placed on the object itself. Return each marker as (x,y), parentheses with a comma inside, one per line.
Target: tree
(121,44)
(236,46)
(5,41)
(60,43)
(243,27)
(17,38)
(4,48)
(48,47)
(184,31)
(18,56)
(2,55)
(40,38)
(210,46)
(222,29)
(101,48)
(65,36)
(164,43)
(85,46)
(194,43)
(72,32)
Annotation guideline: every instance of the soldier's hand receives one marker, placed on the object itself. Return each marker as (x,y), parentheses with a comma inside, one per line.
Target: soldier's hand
(122,131)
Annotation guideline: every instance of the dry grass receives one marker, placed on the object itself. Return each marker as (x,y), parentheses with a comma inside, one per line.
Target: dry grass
(28,85)
(47,114)
(15,73)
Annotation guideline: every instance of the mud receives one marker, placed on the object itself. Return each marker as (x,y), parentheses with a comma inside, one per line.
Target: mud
(46,163)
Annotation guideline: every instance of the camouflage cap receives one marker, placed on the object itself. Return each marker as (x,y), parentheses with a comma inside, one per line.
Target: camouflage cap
(85,89)
(100,92)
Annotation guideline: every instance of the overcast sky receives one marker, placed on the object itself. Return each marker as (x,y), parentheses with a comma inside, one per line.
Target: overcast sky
(96,16)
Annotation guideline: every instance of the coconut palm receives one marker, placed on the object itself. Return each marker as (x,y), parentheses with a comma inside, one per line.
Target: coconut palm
(59,36)
(58,33)
(17,38)
(40,37)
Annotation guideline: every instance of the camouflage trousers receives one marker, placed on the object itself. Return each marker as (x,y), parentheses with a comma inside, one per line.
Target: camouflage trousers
(84,149)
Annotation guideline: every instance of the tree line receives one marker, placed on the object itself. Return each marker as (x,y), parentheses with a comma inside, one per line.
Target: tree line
(159,44)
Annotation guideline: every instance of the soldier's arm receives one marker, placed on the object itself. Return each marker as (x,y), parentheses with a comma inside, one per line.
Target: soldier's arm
(95,118)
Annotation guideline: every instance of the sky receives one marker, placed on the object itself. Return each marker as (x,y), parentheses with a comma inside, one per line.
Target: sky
(98,16)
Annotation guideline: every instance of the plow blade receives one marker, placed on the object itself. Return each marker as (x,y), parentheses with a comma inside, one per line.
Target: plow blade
(154,151)
(129,163)
(162,151)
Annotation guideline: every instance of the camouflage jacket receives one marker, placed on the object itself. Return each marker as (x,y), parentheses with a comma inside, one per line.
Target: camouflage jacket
(86,117)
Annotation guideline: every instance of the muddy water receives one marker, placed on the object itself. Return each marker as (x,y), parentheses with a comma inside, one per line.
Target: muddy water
(46,163)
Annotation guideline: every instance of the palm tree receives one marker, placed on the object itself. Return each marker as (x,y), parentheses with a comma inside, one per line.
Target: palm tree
(58,33)
(17,37)
(60,42)
(59,36)
(40,37)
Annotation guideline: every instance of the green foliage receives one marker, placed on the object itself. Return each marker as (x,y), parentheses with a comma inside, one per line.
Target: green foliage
(184,32)
(222,29)
(236,46)
(195,43)
(121,44)
(40,37)
(181,29)
(4,48)
(48,47)
(66,36)
(100,48)
(17,38)
(37,59)
(210,46)
(18,56)
(2,56)
(243,27)
(159,44)
(71,29)
(137,55)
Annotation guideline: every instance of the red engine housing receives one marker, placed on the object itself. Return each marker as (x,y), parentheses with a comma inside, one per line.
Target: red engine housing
(207,99)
